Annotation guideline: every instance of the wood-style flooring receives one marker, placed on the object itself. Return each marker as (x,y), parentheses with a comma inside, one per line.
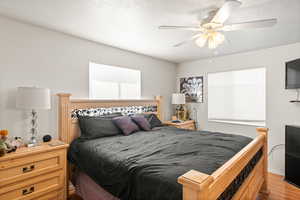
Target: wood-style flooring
(279,189)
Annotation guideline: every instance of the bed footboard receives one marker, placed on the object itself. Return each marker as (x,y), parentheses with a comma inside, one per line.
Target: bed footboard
(240,178)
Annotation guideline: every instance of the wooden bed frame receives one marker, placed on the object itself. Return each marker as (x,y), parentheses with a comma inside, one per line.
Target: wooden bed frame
(196,185)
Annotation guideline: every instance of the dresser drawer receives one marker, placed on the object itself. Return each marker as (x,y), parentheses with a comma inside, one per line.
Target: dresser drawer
(16,169)
(40,187)
(56,195)
(189,127)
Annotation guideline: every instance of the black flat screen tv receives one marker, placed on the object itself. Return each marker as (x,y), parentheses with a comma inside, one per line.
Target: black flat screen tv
(292,74)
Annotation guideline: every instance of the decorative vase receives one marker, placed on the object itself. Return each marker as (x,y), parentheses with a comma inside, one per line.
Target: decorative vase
(3,137)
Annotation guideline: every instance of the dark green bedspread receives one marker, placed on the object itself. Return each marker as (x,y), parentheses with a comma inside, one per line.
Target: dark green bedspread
(146,165)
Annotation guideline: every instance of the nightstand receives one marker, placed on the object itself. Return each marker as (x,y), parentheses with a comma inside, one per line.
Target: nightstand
(189,124)
(35,173)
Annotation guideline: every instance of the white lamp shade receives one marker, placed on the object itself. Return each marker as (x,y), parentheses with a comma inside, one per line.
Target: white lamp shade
(178,98)
(33,98)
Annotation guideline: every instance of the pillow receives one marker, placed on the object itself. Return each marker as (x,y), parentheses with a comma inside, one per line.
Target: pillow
(142,122)
(125,124)
(152,119)
(97,127)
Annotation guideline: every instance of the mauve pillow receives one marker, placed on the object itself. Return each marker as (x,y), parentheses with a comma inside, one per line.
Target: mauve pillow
(142,122)
(96,127)
(126,125)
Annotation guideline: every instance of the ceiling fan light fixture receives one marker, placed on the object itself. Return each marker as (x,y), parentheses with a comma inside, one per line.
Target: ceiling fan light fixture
(201,40)
(213,38)
(212,43)
(210,28)
(219,37)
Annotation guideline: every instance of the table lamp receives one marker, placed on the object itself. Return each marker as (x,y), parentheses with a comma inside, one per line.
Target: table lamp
(179,100)
(33,98)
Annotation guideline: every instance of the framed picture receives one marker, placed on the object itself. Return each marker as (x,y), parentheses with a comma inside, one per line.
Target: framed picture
(192,87)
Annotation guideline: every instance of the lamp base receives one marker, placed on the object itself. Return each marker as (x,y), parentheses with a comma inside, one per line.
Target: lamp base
(181,112)
(32,142)
(33,139)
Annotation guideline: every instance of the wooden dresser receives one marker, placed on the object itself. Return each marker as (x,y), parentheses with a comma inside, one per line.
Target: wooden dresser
(189,124)
(36,173)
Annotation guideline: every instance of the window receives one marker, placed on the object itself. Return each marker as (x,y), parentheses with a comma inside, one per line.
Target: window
(110,82)
(238,96)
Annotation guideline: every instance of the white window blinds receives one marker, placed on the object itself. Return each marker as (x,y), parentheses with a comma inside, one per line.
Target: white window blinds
(238,96)
(110,82)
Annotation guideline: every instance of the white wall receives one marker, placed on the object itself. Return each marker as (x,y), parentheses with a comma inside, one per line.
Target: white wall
(279,111)
(33,56)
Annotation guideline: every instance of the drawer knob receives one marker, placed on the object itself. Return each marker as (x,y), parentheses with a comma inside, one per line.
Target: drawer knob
(28,191)
(28,169)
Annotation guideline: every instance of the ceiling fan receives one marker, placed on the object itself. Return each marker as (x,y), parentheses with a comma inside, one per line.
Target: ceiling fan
(211,28)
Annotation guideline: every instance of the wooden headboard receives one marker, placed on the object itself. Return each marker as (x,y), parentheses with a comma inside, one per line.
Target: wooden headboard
(68,126)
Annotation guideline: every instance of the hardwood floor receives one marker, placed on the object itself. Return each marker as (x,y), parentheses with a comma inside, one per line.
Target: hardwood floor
(279,189)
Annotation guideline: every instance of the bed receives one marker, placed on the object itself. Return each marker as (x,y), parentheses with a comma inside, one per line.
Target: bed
(240,172)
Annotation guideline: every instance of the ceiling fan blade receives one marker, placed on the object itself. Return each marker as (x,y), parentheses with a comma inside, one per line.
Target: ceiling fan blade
(190,28)
(188,40)
(251,24)
(225,11)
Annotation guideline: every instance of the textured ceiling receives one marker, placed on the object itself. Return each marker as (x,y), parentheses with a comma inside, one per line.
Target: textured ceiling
(132,24)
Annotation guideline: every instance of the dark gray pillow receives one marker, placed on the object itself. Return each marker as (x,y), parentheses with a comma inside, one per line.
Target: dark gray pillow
(142,122)
(97,127)
(126,125)
(152,119)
